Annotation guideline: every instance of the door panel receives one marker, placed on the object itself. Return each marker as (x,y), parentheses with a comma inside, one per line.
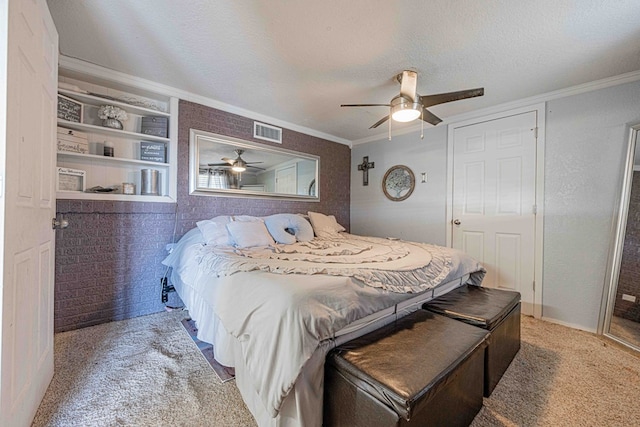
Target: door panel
(493,200)
(508,260)
(286,182)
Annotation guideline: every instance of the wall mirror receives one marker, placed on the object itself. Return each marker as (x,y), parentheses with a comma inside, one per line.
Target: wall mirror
(622,315)
(225,166)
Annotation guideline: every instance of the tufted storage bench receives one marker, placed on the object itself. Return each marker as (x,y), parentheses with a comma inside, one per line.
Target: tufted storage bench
(495,310)
(424,369)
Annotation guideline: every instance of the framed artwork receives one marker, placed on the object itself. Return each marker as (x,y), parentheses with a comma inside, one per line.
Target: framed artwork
(71,180)
(69,109)
(398,183)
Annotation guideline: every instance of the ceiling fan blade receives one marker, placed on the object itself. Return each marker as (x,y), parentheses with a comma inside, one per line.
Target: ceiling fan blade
(429,117)
(228,160)
(409,84)
(218,164)
(379,122)
(364,105)
(256,167)
(441,98)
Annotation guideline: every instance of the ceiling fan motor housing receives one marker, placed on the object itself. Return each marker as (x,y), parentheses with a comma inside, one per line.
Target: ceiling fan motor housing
(404,109)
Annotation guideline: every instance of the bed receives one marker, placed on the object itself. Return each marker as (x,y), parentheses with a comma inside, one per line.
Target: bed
(273,305)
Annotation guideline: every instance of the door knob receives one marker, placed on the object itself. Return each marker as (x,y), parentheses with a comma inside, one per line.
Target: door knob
(456,221)
(57,225)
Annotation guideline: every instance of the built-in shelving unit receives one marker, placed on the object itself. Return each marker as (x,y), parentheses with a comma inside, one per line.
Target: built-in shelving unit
(93,87)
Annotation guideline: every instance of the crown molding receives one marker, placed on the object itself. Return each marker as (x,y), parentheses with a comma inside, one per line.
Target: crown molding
(80,66)
(545,97)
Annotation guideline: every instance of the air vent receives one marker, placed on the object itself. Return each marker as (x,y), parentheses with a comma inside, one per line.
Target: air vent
(267,132)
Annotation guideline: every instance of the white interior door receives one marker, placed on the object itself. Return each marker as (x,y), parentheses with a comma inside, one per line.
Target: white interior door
(286,181)
(28,200)
(494,177)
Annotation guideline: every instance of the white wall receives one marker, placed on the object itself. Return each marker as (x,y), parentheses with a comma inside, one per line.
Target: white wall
(586,136)
(586,139)
(419,218)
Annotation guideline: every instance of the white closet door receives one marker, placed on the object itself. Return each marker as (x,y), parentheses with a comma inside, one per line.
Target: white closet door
(494,176)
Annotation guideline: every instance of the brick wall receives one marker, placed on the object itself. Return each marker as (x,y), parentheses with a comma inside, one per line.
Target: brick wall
(108,260)
(335,161)
(629,280)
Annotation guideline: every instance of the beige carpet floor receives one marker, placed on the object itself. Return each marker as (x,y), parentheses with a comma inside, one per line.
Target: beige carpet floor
(148,372)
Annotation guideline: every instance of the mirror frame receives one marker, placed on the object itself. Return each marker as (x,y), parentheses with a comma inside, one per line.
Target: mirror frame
(196,136)
(617,245)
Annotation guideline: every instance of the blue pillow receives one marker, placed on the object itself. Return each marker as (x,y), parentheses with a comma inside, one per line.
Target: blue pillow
(280,224)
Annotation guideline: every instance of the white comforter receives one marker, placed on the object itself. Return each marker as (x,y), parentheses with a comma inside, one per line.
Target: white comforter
(281,303)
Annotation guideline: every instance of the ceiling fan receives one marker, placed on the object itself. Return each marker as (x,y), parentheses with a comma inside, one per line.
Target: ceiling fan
(238,164)
(409,105)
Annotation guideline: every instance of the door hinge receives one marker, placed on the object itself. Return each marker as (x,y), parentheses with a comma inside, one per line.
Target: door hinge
(534,285)
(535,132)
(534,209)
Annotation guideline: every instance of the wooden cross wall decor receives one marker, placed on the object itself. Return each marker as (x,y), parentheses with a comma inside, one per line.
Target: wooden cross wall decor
(364,167)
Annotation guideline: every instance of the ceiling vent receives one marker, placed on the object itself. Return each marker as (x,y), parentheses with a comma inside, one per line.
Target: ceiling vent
(267,132)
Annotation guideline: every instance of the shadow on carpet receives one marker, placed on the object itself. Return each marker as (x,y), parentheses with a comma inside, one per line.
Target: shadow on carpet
(225,373)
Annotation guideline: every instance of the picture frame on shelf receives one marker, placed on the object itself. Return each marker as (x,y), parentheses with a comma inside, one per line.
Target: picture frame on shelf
(152,151)
(73,180)
(70,109)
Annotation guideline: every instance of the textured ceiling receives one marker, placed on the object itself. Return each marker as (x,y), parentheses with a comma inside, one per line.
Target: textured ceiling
(297,61)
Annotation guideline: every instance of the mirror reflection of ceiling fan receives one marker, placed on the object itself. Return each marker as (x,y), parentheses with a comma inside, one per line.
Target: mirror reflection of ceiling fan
(238,164)
(409,105)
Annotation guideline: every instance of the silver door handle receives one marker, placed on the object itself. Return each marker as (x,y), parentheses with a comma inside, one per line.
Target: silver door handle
(456,222)
(57,225)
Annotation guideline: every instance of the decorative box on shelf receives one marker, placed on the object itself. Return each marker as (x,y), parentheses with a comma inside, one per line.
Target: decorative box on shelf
(153,151)
(156,126)
(72,141)
(69,109)
(69,179)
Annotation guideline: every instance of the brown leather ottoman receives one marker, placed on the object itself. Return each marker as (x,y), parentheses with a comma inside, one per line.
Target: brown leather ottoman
(495,310)
(424,369)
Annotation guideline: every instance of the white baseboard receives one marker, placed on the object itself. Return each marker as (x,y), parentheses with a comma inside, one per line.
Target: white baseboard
(569,325)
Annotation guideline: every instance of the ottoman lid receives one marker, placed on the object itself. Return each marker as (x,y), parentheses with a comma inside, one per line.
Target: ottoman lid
(476,305)
(405,363)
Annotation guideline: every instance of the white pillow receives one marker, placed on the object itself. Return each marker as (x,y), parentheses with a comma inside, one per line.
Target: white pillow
(325,225)
(279,224)
(215,231)
(192,237)
(246,218)
(247,234)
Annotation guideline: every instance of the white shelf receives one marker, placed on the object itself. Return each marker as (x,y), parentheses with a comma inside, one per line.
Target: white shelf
(98,101)
(107,171)
(77,195)
(110,131)
(108,159)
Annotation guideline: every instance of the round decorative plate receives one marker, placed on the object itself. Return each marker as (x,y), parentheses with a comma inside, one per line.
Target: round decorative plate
(398,183)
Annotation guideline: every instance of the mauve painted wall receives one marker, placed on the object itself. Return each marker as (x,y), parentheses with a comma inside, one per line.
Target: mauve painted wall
(108,260)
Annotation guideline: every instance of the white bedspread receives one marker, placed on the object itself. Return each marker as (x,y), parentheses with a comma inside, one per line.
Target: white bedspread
(281,320)
(396,266)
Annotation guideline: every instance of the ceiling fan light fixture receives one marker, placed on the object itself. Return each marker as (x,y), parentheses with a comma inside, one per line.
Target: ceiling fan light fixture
(404,109)
(239,166)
